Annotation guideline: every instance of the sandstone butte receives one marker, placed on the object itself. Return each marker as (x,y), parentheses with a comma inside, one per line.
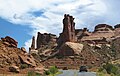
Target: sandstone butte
(76,47)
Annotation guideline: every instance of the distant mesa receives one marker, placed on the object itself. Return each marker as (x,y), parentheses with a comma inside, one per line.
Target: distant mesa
(103,27)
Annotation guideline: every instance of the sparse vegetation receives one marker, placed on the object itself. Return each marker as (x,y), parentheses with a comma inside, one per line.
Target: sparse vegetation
(108,70)
(23,66)
(53,71)
(32,73)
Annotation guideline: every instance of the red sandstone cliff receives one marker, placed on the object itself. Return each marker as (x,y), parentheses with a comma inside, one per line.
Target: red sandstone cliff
(97,45)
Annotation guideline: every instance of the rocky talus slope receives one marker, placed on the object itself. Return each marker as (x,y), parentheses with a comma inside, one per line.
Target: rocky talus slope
(10,55)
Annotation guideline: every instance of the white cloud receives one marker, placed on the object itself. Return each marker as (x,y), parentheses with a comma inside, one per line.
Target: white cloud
(87,13)
(28,44)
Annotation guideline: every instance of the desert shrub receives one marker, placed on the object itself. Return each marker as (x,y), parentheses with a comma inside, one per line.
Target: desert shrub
(23,66)
(32,73)
(108,69)
(100,69)
(53,71)
(111,69)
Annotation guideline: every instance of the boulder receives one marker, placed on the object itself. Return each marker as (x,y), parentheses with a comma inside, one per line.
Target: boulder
(70,49)
(98,46)
(39,70)
(27,60)
(33,51)
(9,41)
(23,50)
(14,69)
(92,62)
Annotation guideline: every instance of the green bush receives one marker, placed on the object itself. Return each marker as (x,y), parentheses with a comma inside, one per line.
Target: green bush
(53,71)
(100,69)
(23,66)
(32,73)
(110,68)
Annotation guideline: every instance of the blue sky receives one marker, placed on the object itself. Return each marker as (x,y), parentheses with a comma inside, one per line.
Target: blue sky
(22,19)
(18,32)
